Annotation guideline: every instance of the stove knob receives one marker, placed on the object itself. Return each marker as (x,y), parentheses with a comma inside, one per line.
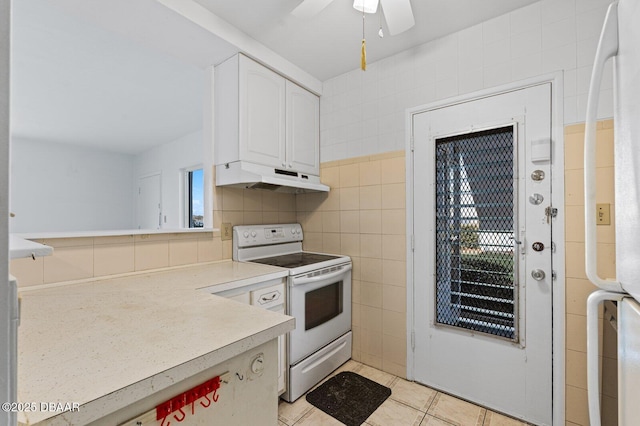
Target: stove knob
(246,234)
(253,234)
(298,231)
(293,230)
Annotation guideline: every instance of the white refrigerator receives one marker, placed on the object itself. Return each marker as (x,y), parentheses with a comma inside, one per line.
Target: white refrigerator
(619,42)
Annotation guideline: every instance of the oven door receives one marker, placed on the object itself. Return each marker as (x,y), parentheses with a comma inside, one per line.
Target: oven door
(320,301)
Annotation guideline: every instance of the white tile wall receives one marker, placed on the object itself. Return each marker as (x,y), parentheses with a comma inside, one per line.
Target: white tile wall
(363,113)
(557,10)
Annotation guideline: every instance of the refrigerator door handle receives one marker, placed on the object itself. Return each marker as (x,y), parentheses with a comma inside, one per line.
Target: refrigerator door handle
(607,48)
(593,345)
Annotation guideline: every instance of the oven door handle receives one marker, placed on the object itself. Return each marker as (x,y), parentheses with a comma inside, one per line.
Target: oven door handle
(305,280)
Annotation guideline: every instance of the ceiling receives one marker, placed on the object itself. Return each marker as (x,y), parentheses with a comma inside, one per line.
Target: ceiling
(328,44)
(125,75)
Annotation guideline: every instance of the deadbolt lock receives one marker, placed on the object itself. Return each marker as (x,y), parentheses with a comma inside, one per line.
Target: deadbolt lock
(537,175)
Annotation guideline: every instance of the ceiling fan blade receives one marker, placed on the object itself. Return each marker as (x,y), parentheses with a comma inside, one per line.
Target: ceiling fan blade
(398,15)
(309,8)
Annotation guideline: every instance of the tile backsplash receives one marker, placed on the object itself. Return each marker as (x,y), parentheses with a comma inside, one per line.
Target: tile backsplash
(363,216)
(578,287)
(90,257)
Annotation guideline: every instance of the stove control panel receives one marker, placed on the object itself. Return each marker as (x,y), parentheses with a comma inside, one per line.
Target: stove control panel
(261,235)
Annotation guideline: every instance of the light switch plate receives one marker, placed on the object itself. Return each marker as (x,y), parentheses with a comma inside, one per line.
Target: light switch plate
(603,214)
(226,231)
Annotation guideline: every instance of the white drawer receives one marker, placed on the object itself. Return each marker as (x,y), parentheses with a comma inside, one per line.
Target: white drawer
(268,297)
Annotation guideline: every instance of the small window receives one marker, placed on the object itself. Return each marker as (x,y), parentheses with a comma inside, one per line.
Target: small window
(195,198)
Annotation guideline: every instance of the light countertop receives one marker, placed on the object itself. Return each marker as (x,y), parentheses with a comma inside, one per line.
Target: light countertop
(19,247)
(107,343)
(111,233)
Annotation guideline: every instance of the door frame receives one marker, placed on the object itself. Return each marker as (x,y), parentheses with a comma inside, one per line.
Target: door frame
(558,231)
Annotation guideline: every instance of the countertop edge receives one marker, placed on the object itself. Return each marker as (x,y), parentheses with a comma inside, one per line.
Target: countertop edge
(110,233)
(22,248)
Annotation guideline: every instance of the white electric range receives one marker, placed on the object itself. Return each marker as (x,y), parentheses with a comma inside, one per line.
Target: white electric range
(318,296)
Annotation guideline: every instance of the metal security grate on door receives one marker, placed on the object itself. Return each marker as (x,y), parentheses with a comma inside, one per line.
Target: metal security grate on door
(475,213)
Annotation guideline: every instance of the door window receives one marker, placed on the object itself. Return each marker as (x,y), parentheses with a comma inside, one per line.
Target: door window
(474,179)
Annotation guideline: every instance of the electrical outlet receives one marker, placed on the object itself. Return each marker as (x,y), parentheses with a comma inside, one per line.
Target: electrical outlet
(226,231)
(603,214)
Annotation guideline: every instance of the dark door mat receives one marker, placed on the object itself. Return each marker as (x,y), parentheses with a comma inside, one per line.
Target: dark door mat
(349,397)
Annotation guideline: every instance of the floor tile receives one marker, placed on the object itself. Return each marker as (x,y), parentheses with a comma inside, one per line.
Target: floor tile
(317,417)
(496,419)
(376,375)
(412,394)
(433,421)
(405,407)
(350,365)
(291,413)
(394,413)
(456,411)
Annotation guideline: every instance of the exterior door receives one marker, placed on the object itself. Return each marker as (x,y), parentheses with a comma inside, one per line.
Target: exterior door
(483,251)
(149,202)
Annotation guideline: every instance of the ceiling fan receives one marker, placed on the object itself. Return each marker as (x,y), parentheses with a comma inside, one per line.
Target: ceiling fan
(397,13)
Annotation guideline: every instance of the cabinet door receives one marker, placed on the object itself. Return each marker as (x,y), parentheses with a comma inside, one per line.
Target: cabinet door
(262,114)
(303,130)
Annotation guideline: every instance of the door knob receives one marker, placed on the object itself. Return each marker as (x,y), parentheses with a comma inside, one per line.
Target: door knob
(538,274)
(536,199)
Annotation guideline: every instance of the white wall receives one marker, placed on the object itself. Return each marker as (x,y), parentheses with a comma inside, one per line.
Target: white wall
(363,113)
(170,160)
(62,187)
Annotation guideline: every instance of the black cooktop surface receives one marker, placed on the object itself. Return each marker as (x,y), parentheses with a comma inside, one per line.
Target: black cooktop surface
(294,260)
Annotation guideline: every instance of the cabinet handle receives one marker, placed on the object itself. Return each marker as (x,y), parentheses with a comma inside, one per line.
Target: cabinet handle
(265,299)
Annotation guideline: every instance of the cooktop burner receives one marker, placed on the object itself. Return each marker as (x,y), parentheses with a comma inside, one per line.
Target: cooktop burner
(294,260)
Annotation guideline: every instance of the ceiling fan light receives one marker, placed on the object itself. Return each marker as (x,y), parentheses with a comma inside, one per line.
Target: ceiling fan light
(366,6)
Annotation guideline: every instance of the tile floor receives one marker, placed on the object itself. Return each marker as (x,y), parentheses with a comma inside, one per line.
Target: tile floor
(410,404)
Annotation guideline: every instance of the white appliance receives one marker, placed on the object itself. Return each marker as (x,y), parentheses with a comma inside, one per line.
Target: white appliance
(620,40)
(245,175)
(318,296)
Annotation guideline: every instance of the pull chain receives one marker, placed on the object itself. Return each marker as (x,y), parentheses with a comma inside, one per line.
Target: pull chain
(363,56)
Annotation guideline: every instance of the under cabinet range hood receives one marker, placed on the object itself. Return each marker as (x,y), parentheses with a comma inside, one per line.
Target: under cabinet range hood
(241,174)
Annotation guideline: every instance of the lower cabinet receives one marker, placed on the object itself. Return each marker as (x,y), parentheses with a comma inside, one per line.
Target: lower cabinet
(244,379)
(268,295)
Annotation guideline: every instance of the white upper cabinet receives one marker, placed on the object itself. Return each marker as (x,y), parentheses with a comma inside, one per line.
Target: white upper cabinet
(262,114)
(303,130)
(262,118)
